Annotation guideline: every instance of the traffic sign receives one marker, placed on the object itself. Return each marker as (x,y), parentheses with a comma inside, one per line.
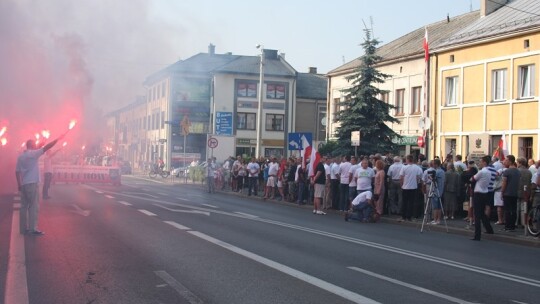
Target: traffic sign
(212,142)
(299,141)
(420,141)
(355,138)
(224,123)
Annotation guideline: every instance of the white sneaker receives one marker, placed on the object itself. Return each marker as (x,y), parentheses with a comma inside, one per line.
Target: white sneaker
(314,211)
(321,213)
(433,223)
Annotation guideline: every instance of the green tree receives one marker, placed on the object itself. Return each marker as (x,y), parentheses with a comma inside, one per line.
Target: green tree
(362,110)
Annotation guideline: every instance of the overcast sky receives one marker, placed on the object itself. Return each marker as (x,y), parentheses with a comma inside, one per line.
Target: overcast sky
(102,50)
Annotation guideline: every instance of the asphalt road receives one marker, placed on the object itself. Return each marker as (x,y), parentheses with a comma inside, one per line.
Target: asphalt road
(152,242)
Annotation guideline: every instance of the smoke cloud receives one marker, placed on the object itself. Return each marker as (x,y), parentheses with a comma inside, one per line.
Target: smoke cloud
(63,60)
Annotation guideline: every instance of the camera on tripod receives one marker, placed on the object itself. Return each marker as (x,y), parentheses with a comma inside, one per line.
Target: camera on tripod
(432,174)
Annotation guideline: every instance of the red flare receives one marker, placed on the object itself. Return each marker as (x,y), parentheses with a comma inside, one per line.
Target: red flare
(72,123)
(65,144)
(46,134)
(37,136)
(3,141)
(3,130)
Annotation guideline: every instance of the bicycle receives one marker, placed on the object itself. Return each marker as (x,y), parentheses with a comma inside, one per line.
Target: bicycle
(158,171)
(533,221)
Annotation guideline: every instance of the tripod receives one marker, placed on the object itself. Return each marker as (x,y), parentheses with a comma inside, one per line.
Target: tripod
(433,194)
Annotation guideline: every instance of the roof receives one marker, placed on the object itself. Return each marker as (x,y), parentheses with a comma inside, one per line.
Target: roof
(311,86)
(516,15)
(411,44)
(251,65)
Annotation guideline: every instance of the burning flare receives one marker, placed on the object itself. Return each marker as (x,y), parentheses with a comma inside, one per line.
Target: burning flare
(83,147)
(3,130)
(46,134)
(65,144)
(37,136)
(3,141)
(72,123)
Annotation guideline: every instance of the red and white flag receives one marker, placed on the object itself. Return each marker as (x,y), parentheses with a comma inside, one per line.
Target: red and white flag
(502,148)
(426,46)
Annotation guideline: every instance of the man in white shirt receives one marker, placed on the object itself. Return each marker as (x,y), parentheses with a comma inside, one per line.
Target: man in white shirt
(334,182)
(481,198)
(395,200)
(363,205)
(459,165)
(533,167)
(410,176)
(364,177)
(210,168)
(273,168)
(344,183)
(497,163)
(253,169)
(327,201)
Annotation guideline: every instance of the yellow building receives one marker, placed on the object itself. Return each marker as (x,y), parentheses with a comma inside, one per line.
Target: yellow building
(484,83)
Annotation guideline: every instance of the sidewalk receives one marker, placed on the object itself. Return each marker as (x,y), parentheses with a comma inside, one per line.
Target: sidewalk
(455,226)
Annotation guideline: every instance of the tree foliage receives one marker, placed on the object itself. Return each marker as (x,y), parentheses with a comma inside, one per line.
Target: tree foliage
(362,110)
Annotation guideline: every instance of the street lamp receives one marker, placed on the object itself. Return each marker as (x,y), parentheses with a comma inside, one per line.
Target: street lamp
(260,107)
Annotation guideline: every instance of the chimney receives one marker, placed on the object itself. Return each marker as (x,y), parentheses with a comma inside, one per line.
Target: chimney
(489,6)
(282,55)
(312,70)
(211,49)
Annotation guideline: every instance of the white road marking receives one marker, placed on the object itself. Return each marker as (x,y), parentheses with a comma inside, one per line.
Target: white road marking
(176,225)
(181,289)
(247,214)
(147,212)
(183,211)
(411,286)
(519,302)
(97,191)
(344,293)
(17,198)
(124,203)
(109,196)
(141,193)
(80,211)
(409,253)
(16,284)
(16,205)
(211,206)
(182,199)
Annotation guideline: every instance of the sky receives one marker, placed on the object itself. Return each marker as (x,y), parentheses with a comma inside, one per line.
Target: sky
(65,59)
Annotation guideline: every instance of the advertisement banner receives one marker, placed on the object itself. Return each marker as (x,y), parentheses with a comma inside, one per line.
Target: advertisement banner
(86,174)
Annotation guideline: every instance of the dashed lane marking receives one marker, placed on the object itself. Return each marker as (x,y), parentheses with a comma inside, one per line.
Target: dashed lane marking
(176,225)
(99,192)
(124,203)
(181,289)
(17,198)
(182,199)
(147,212)
(247,214)
(183,211)
(163,193)
(109,196)
(211,206)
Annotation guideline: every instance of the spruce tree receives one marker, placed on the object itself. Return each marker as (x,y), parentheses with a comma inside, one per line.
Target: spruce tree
(362,110)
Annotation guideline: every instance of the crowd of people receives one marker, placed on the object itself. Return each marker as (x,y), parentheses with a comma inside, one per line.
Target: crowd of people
(388,184)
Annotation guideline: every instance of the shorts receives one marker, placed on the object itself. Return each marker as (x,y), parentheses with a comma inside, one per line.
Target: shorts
(352,193)
(498,199)
(435,203)
(279,184)
(271,181)
(319,190)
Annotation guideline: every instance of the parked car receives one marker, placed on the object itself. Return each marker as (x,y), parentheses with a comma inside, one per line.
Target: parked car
(125,167)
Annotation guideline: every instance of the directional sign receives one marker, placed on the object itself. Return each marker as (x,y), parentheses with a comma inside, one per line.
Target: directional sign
(299,141)
(224,123)
(212,142)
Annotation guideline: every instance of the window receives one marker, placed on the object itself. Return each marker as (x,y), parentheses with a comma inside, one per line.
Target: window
(163,89)
(246,89)
(246,121)
(335,112)
(400,98)
(385,96)
(274,122)
(275,91)
(526,147)
(451,91)
(526,81)
(498,85)
(415,100)
(162,119)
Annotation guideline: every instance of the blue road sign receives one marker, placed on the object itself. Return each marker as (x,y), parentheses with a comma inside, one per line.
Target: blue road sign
(299,141)
(224,123)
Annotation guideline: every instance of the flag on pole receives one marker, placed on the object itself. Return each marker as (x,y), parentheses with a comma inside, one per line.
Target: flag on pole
(426,46)
(501,149)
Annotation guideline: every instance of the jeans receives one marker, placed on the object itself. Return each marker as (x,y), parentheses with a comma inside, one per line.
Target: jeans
(409,197)
(363,210)
(510,212)
(334,188)
(480,200)
(253,181)
(28,215)
(343,197)
(301,190)
(395,199)
(210,182)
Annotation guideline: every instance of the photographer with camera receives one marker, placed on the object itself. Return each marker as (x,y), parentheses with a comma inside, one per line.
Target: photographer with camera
(434,187)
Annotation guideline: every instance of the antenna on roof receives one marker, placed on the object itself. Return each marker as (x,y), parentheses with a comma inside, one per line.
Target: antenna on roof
(343,59)
(470,7)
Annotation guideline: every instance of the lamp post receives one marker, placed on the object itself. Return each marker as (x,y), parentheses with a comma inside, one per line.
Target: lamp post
(260,107)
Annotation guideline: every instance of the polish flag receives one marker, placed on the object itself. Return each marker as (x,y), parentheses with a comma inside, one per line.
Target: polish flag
(426,46)
(314,159)
(502,148)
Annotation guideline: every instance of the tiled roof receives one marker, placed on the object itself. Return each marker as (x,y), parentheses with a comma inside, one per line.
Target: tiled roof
(514,16)
(411,44)
(311,86)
